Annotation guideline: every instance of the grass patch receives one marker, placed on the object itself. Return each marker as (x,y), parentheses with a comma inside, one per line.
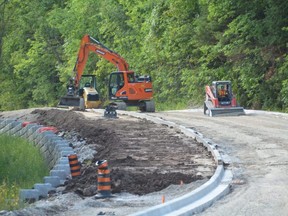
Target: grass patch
(21,166)
(179,105)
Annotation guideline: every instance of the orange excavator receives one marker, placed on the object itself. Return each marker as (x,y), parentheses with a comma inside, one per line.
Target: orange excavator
(125,88)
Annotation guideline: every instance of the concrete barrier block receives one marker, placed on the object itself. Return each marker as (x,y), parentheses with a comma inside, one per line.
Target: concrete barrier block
(9,126)
(63,160)
(50,146)
(44,150)
(60,173)
(49,141)
(65,153)
(64,167)
(40,145)
(53,180)
(31,130)
(43,189)
(26,128)
(60,149)
(44,143)
(52,163)
(34,136)
(54,159)
(64,148)
(49,159)
(43,134)
(5,122)
(37,136)
(51,138)
(62,143)
(29,195)
(14,131)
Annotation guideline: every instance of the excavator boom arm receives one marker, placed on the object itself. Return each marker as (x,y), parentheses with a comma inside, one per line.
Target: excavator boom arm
(89,44)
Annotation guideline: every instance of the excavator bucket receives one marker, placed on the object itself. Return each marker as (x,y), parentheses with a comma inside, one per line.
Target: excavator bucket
(231,111)
(69,101)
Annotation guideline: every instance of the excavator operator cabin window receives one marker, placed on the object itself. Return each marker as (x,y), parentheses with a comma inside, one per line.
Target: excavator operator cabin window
(131,78)
(116,82)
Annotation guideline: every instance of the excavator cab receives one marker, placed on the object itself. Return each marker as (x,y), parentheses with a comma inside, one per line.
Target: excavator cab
(126,90)
(116,82)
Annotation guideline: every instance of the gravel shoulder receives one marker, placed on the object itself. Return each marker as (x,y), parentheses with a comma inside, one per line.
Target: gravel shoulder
(257,146)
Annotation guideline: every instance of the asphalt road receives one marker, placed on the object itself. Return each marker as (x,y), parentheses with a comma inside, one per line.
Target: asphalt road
(257,144)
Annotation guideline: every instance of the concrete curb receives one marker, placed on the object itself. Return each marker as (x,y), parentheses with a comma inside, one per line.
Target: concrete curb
(201,198)
(54,150)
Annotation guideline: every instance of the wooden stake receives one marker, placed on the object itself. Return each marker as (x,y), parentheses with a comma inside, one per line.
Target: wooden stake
(163,199)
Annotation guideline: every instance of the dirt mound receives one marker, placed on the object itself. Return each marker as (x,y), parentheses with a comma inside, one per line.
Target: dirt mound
(142,156)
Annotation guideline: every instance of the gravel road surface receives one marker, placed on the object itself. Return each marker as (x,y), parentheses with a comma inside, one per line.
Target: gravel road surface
(257,144)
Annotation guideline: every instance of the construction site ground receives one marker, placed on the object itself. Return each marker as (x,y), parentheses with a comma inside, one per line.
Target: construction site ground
(257,147)
(148,163)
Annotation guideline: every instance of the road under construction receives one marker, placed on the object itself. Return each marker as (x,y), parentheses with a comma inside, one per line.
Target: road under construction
(242,145)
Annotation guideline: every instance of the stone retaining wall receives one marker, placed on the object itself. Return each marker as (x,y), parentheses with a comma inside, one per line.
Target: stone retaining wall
(55,151)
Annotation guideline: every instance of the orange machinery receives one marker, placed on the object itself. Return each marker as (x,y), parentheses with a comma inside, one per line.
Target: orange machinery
(217,103)
(124,88)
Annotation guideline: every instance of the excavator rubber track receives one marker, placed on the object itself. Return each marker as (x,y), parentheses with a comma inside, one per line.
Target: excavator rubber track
(150,106)
(147,106)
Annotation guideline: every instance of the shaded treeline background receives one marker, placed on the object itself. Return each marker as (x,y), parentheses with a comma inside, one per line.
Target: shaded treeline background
(182,44)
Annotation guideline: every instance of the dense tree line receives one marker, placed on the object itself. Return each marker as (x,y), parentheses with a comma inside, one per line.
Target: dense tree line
(183,44)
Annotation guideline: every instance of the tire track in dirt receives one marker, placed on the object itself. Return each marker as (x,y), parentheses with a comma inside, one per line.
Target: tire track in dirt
(143,156)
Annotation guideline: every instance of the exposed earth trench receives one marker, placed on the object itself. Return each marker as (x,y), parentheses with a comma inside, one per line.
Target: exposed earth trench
(147,161)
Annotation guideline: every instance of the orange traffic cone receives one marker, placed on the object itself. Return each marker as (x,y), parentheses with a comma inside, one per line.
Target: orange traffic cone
(104,181)
(74,165)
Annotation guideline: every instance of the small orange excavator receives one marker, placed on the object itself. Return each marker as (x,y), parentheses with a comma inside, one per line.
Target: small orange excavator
(124,88)
(220,100)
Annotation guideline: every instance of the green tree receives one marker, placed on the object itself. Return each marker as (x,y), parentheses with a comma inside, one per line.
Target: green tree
(183,44)
(28,73)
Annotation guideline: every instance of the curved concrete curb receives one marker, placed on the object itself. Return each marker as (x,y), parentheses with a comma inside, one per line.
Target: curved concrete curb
(204,196)
(53,148)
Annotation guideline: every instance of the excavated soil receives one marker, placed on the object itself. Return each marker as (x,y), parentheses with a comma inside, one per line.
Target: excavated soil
(143,157)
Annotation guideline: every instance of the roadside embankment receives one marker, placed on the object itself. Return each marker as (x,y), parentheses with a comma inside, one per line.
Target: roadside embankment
(53,148)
